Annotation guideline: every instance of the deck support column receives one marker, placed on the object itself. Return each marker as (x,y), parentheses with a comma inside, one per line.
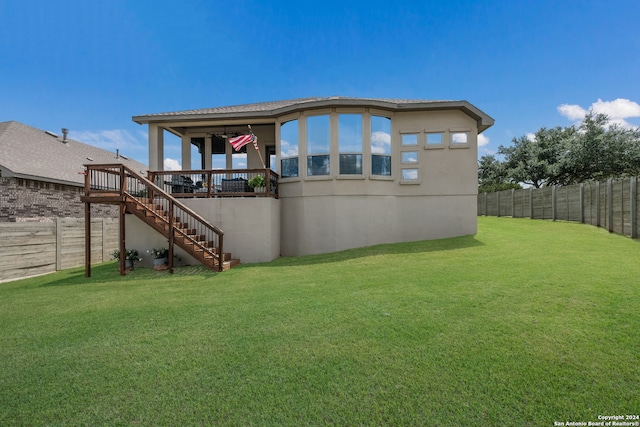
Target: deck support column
(186,153)
(208,149)
(123,250)
(156,148)
(87,239)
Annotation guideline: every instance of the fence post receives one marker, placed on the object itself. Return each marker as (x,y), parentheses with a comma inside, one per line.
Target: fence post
(485,205)
(582,203)
(58,244)
(633,184)
(498,199)
(554,203)
(598,204)
(531,202)
(105,255)
(513,203)
(610,205)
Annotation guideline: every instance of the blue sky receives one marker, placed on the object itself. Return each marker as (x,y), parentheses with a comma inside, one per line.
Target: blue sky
(91,65)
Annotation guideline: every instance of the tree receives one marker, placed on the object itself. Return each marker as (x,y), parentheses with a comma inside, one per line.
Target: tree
(600,150)
(536,160)
(492,175)
(595,150)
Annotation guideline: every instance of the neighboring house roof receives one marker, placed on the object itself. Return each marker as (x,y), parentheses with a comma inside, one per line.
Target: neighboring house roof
(277,108)
(30,153)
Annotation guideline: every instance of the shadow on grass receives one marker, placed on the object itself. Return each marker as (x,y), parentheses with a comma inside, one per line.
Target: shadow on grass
(108,272)
(422,246)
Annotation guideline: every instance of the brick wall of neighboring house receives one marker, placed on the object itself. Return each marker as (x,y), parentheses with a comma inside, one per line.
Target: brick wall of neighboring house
(24,200)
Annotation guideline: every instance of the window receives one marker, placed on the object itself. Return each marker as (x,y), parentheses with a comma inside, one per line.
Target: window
(318,146)
(350,143)
(409,174)
(434,138)
(289,149)
(459,138)
(409,139)
(380,146)
(410,157)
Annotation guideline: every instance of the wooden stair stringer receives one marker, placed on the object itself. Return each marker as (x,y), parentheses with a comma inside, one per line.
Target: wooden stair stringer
(203,252)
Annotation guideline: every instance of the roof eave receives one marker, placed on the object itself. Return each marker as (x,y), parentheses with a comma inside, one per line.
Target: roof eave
(484,121)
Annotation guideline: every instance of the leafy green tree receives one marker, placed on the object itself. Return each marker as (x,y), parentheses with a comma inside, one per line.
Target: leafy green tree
(600,150)
(594,150)
(492,175)
(537,161)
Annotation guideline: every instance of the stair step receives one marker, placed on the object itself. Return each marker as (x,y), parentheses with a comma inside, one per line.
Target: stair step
(184,237)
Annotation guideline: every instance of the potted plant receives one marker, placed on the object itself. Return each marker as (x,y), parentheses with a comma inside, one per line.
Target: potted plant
(160,257)
(258,183)
(131,256)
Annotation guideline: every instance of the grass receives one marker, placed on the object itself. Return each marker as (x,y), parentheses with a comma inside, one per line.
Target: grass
(526,323)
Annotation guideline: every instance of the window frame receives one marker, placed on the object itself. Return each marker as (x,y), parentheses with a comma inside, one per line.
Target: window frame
(287,159)
(310,156)
(453,132)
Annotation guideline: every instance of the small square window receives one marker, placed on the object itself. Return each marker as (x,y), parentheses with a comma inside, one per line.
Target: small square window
(409,139)
(460,137)
(409,174)
(434,138)
(410,157)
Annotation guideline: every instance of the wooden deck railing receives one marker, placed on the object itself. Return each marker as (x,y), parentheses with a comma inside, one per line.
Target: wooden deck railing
(117,182)
(216,183)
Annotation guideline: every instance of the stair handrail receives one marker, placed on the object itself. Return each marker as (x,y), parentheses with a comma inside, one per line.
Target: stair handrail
(173,202)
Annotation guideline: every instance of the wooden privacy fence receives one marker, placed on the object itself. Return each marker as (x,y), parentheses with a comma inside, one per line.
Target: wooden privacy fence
(32,248)
(612,204)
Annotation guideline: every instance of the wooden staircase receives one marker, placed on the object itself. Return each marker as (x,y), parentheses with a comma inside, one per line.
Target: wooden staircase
(118,184)
(196,245)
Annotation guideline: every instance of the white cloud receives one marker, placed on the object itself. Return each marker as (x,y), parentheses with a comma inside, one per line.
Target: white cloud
(531,137)
(572,111)
(172,165)
(380,142)
(618,111)
(287,149)
(482,140)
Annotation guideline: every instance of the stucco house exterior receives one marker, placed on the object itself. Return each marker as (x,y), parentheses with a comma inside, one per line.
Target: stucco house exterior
(41,174)
(349,172)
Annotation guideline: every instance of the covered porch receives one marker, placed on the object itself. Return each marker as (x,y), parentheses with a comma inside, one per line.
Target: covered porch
(206,146)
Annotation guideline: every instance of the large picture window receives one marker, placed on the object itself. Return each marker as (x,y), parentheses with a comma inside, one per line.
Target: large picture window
(350,143)
(289,149)
(318,146)
(380,146)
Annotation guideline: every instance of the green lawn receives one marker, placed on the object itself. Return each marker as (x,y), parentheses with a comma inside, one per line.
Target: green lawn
(526,323)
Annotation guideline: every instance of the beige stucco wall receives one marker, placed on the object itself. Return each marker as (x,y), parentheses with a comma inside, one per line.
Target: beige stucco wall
(251,227)
(322,224)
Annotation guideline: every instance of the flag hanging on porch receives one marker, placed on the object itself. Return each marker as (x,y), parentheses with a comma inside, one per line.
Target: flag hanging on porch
(240,141)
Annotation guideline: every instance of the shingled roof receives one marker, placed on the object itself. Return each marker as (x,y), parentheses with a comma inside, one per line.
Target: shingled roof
(274,109)
(30,153)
